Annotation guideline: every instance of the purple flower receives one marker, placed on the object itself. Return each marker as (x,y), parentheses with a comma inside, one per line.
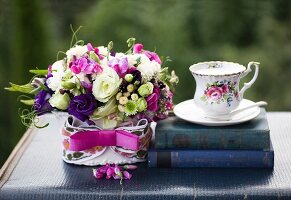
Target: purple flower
(153,99)
(87,86)
(120,65)
(41,104)
(82,106)
(153,56)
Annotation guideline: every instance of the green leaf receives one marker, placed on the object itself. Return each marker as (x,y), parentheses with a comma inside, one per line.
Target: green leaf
(37,126)
(138,61)
(77,154)
(141,154)
(28,88)
(94,57)
(107,109)
(28,102)
(69,156)
(41,72)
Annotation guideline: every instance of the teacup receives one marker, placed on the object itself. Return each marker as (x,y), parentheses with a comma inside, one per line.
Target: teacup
(217,85)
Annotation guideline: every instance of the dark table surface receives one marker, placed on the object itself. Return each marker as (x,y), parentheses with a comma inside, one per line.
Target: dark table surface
(41,174)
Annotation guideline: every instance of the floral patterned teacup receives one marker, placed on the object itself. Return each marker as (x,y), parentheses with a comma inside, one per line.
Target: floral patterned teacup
(217,85)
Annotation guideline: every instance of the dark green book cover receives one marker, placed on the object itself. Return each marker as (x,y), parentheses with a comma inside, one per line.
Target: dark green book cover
(177,133)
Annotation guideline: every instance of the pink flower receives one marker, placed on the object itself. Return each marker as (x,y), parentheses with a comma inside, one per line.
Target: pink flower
(127,175)
(130,167)
(95,49)
(153,56)
(137,48)
(120,65)
(225,88)
(84,64)
(114,171)
(214,93)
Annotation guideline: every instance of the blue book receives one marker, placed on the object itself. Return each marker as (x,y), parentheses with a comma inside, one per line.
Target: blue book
(211,158)
(175,133)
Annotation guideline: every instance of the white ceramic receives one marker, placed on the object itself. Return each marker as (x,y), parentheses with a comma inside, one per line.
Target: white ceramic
(236,111)
(217,85)
(189,111)
(100,155)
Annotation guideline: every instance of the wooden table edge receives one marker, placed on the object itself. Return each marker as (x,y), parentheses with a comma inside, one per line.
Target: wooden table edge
(11,162)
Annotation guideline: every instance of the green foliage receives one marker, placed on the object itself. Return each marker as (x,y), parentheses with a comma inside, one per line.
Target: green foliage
(40,72)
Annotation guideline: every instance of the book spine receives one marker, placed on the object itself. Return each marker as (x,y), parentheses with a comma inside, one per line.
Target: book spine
(212,139)
(211,158)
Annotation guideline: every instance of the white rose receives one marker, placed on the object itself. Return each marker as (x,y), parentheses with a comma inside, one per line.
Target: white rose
(54,82)
(106,84)
(149,69)
(77,51)
(60,101)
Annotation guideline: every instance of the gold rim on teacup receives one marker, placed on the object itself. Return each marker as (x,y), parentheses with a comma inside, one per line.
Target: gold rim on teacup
(191,68)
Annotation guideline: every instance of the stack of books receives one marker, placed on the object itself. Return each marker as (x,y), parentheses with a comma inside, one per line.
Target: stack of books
(182,144)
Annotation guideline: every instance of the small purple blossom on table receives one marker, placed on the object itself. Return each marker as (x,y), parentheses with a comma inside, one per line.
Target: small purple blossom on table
(114,171)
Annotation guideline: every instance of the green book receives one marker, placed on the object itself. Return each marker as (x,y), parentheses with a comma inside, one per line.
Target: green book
(175,133)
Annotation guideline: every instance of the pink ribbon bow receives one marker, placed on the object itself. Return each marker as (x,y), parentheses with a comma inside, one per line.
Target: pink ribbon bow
(87,139)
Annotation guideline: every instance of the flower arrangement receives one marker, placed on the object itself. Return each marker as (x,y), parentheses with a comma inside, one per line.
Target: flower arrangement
(97,83)
(110,98)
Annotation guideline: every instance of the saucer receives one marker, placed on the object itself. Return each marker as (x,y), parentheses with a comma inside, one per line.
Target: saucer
(189,111)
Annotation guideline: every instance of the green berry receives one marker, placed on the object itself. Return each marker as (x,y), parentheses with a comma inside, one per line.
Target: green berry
(134,97)
(121,108)
(130,88)
(128,77)
(141,104)
(146,89)
(119,94)
(126,94)
(123,100)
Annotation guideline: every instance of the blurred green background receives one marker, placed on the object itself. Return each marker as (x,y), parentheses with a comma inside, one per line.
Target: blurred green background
(189,31)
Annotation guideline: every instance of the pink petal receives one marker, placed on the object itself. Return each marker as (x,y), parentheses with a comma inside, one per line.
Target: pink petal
(75,69)
(109,172)
(97,174)
(90,47)
(130,167)
(127,175)
(137,48)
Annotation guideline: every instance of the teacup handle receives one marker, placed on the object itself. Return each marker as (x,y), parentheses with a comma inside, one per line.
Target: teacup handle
(249,84)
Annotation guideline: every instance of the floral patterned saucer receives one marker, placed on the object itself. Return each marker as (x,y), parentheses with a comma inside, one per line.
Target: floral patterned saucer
(189,111)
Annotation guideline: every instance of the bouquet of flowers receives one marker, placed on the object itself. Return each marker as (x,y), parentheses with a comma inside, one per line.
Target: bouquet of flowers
(101,88)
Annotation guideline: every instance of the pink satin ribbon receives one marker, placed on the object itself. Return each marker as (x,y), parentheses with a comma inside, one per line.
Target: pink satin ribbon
(87,139)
